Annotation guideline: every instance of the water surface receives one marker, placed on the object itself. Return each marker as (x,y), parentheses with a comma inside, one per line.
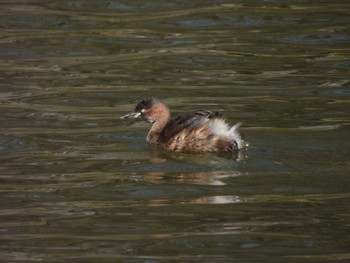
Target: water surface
(80,184)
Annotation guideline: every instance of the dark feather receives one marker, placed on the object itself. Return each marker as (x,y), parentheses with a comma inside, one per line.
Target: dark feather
(145,104)
(188,121)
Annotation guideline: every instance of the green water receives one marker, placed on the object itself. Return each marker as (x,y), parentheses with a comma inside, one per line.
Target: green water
(79,184)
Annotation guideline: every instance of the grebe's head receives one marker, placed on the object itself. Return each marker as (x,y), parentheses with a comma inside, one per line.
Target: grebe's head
(149,109)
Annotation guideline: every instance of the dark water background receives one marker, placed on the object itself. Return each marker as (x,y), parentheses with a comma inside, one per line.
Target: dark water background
(78,184)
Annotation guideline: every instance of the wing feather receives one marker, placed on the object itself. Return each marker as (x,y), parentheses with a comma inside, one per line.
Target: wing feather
(188,122)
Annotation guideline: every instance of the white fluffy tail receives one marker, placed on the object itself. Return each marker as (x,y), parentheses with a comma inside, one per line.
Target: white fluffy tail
(220,128)
(237,136)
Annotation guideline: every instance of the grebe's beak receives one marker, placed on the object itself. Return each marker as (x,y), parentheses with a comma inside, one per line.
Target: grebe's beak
(131,115)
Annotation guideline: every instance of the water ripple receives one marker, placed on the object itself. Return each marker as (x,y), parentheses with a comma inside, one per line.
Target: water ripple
(15,145)
(316,38)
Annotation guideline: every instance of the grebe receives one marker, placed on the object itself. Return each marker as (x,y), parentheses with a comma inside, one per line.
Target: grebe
(197,131)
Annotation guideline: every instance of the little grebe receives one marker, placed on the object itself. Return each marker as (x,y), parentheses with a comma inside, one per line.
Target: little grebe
(197,131)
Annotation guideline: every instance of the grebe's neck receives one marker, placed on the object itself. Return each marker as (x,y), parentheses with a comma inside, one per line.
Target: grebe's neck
(161,118)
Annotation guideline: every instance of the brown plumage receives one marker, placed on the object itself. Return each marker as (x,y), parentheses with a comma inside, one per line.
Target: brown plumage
(197,131)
